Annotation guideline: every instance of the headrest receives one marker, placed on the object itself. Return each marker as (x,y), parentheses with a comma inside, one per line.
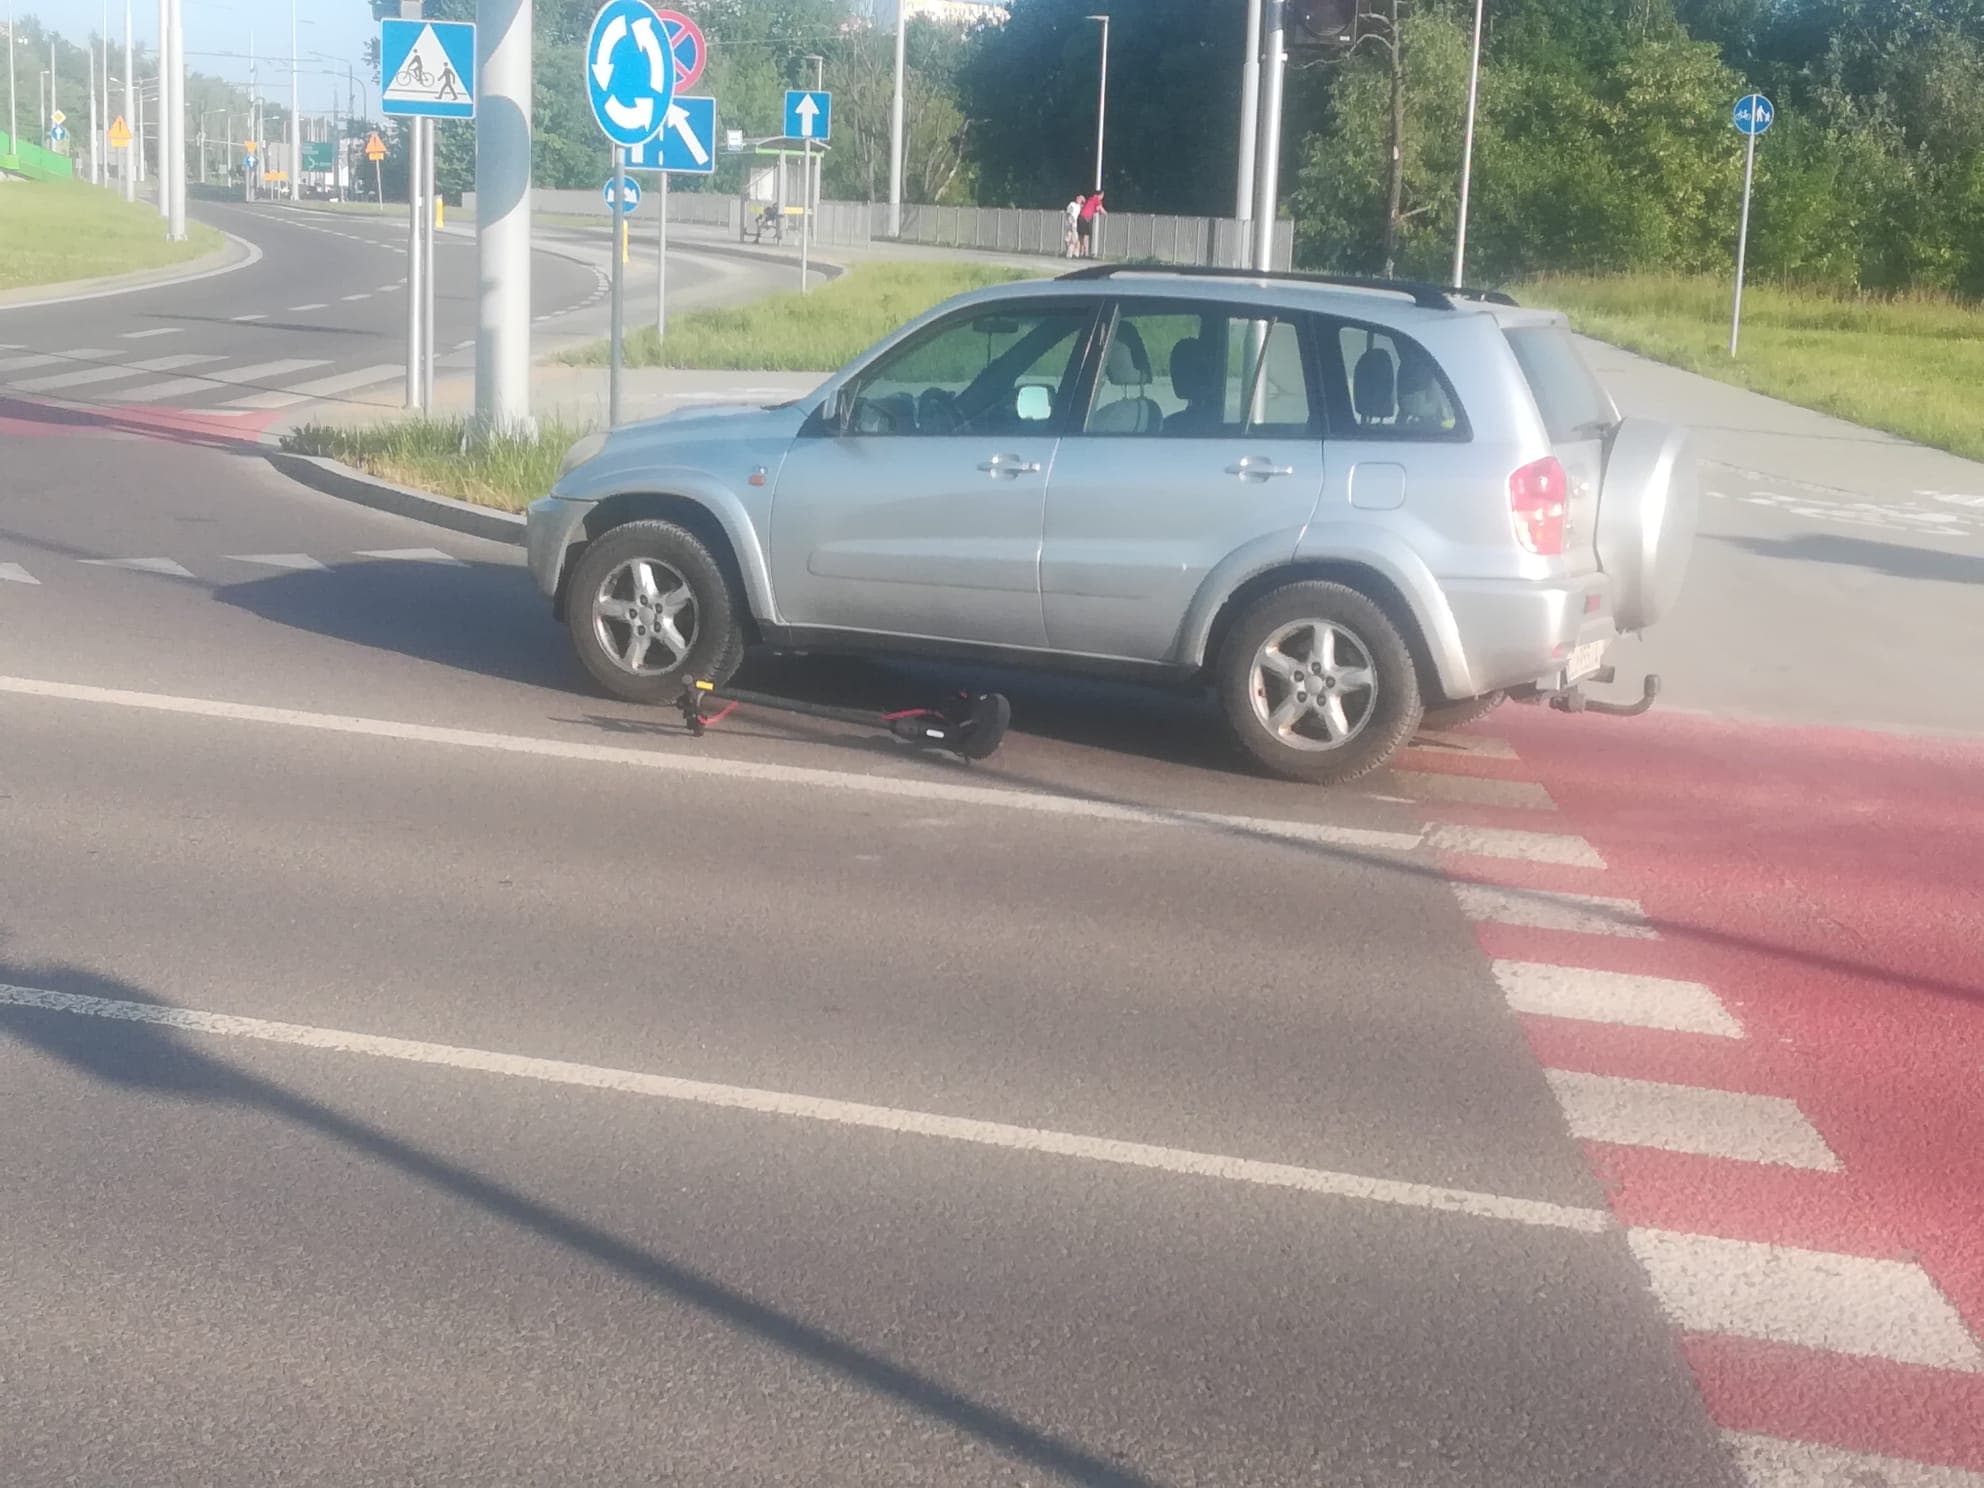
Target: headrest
(1129,363)
(1374,386)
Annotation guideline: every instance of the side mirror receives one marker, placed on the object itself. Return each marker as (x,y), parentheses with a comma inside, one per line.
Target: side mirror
(1035,404)
(838,410)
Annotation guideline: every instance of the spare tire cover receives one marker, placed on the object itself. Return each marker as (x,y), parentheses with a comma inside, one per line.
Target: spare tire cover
(1647,511)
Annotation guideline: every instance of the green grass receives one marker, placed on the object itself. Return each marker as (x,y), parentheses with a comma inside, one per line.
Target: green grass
(1912,365)
(52,232)
(432,455)
(792,332)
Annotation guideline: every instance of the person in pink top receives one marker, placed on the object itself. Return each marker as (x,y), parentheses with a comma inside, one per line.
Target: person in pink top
(1092,208)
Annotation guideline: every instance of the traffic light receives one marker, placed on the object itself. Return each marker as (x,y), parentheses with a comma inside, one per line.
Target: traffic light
(1321,23)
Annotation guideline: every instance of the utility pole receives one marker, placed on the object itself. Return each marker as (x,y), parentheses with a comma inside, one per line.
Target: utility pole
(176,228)
(502,217)
(96,147)
(133,152)
(1250,116)
(1267,177)
(895,120)
(295,115)
(13,108)
(1101,104)
(163,131)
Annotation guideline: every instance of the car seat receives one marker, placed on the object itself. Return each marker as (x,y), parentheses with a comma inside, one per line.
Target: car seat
(1195,379)
(1374,387)
(1128,366)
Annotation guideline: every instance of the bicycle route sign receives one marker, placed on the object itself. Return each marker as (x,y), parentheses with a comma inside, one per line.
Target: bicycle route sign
(428,68)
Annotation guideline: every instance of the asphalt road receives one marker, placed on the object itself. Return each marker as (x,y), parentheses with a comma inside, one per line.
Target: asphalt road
(418,1070)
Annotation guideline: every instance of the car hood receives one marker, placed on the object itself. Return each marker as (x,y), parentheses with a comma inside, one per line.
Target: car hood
(725,442)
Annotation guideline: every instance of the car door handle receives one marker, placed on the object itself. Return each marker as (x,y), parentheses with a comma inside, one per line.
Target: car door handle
(1010,465)
(1258,468)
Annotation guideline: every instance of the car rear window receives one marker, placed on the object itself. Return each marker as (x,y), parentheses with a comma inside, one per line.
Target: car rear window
(1569,397)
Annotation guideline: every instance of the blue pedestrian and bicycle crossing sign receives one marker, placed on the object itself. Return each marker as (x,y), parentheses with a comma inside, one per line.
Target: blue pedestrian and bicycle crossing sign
(427,69)
(686,145)
(627,184)
(1753,114)
(630,71)
(809,114)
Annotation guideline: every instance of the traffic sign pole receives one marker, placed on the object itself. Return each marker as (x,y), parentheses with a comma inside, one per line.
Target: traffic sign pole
(1742,242)
(503,218)
(661,265)
(430,208)
(415,265)
(617,351)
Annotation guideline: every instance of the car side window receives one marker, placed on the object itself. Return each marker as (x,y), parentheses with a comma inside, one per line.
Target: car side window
(1202,372)
(1387,386)
(1001,370)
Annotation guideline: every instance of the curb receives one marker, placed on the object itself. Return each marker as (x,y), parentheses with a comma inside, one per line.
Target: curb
(236,253)
(333,479)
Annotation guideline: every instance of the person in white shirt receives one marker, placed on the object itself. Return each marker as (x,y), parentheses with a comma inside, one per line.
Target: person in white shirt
(1071,229)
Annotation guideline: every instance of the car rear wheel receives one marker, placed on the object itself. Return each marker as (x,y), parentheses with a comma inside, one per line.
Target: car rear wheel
(1317,684)
(649,609)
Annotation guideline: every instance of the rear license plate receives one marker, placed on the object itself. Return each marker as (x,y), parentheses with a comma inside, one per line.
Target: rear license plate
(1587,659)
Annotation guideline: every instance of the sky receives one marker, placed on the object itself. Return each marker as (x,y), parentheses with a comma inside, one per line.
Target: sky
(217,35)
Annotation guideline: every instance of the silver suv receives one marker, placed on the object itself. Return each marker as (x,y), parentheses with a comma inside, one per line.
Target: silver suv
(1339,503)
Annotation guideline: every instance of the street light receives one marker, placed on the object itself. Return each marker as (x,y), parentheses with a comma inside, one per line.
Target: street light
(1467,149)
(1101,100)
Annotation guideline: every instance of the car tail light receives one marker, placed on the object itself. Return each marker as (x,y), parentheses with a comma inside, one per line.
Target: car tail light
(1538,496)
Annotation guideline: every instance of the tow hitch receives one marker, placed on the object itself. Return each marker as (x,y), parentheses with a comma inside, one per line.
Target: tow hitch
(1573,700)
(971,726)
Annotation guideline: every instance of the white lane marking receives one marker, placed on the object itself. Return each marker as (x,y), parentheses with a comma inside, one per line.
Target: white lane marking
(215,381)
(412,555)
(1482,746)
(13,573)
(1772,1462)
(49,359)
(147,335)
(1532,1212)
(1814,1299)
(113,374)
(1690,1118)
(1511,843)
(714,766)
(163,566)
(1615,997)
(299,309)
(348,299)
(1540,909)
(1473,790)
(323,387)
(302,562)
(244,319)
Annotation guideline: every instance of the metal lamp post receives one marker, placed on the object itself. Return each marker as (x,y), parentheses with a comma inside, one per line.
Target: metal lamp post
(1101,100)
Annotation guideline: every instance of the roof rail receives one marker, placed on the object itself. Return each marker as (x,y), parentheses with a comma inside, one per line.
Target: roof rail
(1426,296)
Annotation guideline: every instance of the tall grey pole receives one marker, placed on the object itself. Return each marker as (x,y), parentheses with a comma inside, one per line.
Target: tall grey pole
(13,107)
(138,133)
(430,208)
(176,229)
(1467,149)
(1267,180)
(96,144)
(416,271)
(1742,243)
(502,216)
(295,115)
(616,351)
(895,119)
(1250,115)
(132,154)
(162,130)
(1101,105)
(661,263)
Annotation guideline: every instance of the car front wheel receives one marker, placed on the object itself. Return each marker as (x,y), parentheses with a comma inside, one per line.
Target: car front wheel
(649,609)
(1317,684)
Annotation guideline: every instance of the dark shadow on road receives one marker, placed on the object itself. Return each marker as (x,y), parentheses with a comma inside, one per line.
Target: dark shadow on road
(1896,560)
(265,325)
(120,1040)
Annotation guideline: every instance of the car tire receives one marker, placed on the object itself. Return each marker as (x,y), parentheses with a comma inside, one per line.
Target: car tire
(1459,715)
(643,641)
(1328,643)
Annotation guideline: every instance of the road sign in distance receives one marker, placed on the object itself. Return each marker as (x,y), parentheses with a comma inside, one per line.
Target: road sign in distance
(375,148)
(687,142)
(630,77)
(120,133)
(633,194)
(428,68)
(809,115)
(1753,114)
(686,45)
(58,117)
(1322,23)
(57,135)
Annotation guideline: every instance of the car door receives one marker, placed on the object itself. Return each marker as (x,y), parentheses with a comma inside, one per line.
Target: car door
(1202,436)
(919,511)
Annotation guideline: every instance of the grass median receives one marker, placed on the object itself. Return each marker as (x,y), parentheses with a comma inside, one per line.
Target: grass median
(435,455)
(1912,365)
(793,332)
(56,232)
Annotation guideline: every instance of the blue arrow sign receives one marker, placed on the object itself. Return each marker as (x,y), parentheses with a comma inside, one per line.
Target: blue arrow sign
(428,68)
(58,134)
(809,115)
(686,144)
(630,72)
(630,186)
(1753,114)
(247,162)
